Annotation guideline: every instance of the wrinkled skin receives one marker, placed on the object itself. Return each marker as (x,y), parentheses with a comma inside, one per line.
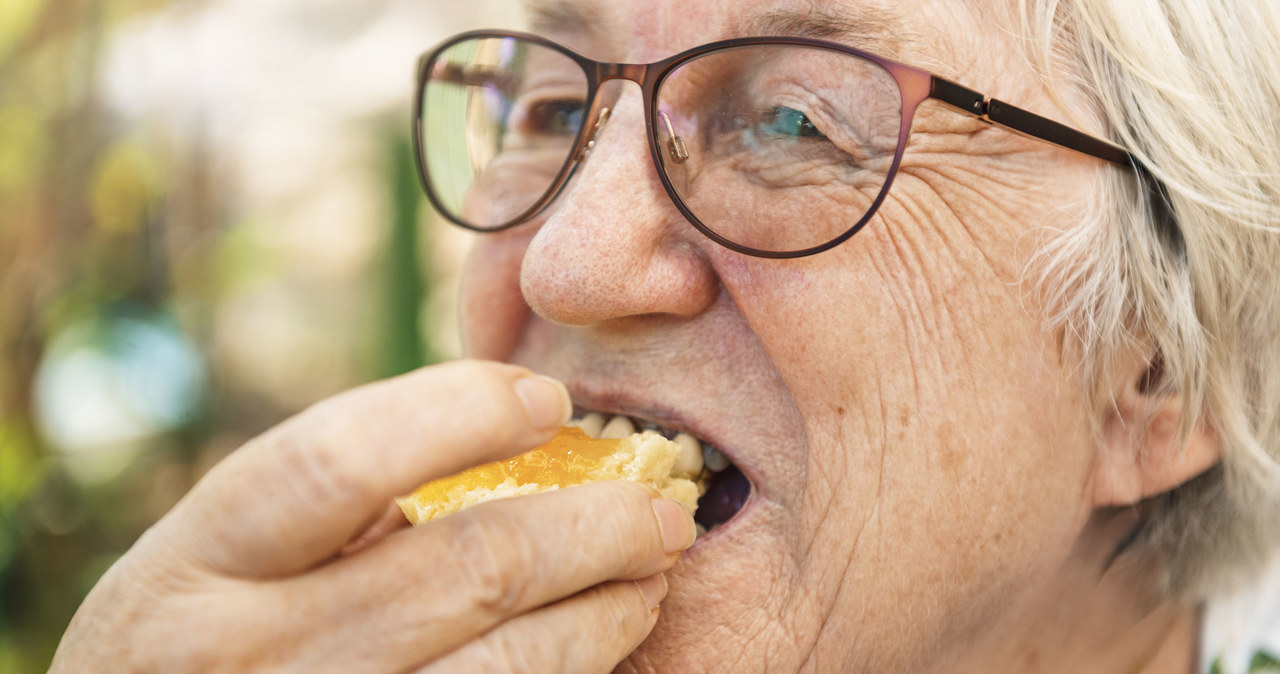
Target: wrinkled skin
(926,484)
(927,497)
(286,556)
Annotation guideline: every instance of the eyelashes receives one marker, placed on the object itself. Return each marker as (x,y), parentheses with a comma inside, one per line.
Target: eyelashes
(786,121)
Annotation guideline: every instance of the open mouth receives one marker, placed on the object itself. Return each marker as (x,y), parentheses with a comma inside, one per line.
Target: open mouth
(727,489)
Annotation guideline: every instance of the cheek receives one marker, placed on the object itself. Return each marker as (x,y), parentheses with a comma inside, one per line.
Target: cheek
(492,311)
(947,452)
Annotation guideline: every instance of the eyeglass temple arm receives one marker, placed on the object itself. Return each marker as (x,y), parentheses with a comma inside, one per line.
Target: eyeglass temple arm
(1016,119)
(1030,124)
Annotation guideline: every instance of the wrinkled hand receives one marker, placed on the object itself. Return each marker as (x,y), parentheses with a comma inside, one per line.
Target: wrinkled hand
(282,557)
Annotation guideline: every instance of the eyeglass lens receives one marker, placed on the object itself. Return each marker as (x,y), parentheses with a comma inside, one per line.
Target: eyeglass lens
(773,147)
(500,117)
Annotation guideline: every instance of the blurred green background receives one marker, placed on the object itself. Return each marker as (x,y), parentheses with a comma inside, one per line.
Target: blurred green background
(209,219)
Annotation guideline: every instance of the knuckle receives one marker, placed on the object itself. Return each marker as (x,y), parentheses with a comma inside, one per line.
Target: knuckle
(310,464)
(627,506)
(626,611)
(474,375)
(631,495)
(485,391)
(618,619)
(501,652)
(494,559)
(606,529)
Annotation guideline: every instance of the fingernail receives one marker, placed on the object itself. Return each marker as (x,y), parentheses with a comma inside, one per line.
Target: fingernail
(546,401)
(652,589)
(675,524)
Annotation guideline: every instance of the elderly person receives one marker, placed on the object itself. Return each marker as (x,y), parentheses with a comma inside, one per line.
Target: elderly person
(979,300)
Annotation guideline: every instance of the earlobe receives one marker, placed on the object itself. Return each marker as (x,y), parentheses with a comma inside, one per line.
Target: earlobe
(1143,452)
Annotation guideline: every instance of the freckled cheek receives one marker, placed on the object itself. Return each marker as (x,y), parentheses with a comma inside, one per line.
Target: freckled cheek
(949,453)
(813,330)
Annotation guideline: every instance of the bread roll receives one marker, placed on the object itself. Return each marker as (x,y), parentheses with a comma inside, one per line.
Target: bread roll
(571,458)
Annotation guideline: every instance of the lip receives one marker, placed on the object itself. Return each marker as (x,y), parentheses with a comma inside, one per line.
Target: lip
(669,417)
(665,417)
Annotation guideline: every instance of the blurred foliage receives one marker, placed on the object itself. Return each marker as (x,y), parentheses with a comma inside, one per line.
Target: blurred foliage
(120,263)
(405,286)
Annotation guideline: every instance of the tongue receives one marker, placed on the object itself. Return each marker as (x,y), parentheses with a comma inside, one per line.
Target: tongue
(727,491)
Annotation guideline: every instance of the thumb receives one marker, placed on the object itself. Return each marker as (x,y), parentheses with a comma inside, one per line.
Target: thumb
(294,496)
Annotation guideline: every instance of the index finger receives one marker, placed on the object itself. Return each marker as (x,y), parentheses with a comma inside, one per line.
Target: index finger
(295,495)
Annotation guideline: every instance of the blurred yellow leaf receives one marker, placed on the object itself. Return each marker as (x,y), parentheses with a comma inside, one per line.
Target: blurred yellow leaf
(16,17)
(125,184)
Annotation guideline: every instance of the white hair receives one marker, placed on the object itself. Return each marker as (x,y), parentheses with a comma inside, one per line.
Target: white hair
(1192,88)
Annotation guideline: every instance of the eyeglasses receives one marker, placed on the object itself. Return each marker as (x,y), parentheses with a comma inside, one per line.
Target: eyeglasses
(774,146)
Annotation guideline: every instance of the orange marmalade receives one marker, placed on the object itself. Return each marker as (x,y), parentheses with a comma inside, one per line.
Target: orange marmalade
(571,458)
(568,459)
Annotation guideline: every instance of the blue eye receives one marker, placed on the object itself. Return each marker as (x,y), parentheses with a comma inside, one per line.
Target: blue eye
(786,121)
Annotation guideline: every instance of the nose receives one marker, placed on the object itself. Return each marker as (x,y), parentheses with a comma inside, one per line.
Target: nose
(613,245)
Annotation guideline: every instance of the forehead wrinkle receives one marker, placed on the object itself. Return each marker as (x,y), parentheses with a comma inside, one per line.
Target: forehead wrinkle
(875,30)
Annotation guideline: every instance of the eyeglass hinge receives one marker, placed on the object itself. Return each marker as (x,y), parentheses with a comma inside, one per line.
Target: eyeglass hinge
(961,98)
(990,107)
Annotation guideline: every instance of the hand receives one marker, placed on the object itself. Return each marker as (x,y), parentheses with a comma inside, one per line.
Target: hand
(248,571)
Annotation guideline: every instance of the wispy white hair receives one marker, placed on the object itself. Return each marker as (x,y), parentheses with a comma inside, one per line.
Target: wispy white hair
(1192,87)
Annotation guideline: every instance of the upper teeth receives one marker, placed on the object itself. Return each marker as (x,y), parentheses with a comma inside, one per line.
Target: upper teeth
(694,454)
(618,428)
(689,463)
(591,424)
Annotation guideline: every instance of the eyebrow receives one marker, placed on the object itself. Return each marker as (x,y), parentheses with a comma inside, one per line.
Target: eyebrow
(874,30)
(562,16)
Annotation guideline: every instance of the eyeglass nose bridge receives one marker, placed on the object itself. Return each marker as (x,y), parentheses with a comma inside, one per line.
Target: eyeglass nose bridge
(634,72)
(604,72)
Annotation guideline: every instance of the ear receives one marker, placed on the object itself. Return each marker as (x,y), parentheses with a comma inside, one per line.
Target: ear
(1143,453)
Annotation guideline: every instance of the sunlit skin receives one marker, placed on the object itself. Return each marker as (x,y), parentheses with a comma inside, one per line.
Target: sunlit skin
(927,493)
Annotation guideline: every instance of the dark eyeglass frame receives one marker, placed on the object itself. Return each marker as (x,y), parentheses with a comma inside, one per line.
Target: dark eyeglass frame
(915,85)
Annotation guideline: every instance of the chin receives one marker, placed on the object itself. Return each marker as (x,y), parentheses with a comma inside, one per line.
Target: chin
(722,588)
